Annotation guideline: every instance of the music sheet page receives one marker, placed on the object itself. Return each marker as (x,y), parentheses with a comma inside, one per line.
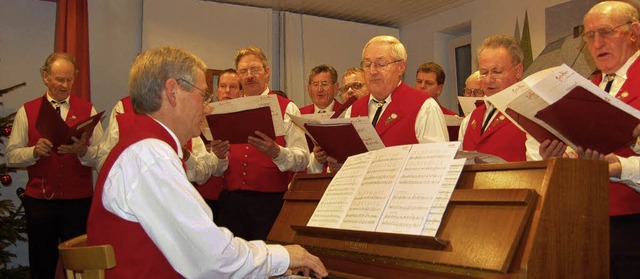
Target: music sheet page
(340,192)
(417,188)
(442,198)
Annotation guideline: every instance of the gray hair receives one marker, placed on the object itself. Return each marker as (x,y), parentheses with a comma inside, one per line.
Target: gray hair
(46,68)
(508,42)
(152,68)
(398,51)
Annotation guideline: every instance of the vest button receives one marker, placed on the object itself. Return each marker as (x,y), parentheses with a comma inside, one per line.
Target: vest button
(246,147)
(246,156)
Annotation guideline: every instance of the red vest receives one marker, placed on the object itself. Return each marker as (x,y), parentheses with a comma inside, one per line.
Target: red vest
(136,254)
(125,119)
(250,169)
(62,176)
(311,108)
(622,199)
(211,189)
(501,137)
(396,125)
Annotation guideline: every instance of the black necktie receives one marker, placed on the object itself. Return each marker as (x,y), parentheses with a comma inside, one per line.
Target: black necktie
(610,79)
(378,111)
(486,121)
(58,104)
(322,111)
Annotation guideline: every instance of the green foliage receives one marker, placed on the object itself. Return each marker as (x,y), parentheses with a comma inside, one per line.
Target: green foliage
(13,226)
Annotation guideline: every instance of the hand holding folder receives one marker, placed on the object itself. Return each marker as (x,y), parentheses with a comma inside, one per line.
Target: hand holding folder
(52,127)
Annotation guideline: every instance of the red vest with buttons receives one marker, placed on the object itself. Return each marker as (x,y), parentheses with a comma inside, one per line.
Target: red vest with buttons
(396,125)
(58,176)
(136,254)
(250,169)
(501,138)
(211,189)
(622,199)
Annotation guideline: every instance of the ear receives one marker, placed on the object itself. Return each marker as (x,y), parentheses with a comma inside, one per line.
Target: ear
(171,87)
(403,66)
(519,71)
(267,73)
(634,31)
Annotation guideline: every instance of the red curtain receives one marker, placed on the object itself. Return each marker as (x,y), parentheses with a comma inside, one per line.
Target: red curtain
(72,36)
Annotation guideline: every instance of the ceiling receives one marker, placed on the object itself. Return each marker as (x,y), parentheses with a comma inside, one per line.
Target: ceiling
(390,13)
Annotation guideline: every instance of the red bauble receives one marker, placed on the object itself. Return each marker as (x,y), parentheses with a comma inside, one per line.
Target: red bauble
(6,131)
(6,179)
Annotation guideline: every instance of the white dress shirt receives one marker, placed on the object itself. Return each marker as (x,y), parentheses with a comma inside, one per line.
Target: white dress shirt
(148,185)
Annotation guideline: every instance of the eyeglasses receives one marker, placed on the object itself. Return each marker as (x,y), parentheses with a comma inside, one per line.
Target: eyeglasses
(604,33)
(251,71)
(495,73)
(354,86)
(323,85)
(468,92)
(206,96)
(380,64)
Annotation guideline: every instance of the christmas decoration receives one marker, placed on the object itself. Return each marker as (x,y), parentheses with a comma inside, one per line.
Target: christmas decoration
(13,226)
(6,131)
(6,180)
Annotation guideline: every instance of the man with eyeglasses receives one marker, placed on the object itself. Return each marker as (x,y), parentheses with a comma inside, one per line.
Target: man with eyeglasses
(472,86)
(400,114)
(322,86)
(430,79)
(486,130)
(611,32)
(145,208)
(259,171)
(60,184)
(353,84)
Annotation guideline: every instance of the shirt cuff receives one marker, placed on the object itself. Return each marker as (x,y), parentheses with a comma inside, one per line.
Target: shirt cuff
(279,259)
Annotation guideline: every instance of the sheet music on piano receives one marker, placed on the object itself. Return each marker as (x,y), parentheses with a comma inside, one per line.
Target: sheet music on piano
(400,189)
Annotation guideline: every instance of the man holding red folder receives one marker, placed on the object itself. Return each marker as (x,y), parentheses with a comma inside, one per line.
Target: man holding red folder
(611,32)
(259,171)
(60,186)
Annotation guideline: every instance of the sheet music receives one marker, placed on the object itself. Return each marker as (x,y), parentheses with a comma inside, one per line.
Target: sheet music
(417,187)
(252,102)
(375,189)
(544,88)
(468,104)
(339,194)
(434,219)
(362,125)
(390,190)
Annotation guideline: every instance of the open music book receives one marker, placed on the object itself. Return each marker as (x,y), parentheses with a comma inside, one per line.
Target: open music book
(400,189)
(558,103)
(340,137)
(237,119)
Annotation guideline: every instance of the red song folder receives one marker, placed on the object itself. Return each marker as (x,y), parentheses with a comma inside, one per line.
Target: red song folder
(590,122)
(236,127)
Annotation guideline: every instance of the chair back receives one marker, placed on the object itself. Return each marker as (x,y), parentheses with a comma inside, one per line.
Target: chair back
(87,262)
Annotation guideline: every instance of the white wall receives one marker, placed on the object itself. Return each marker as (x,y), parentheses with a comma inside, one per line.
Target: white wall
(425,41)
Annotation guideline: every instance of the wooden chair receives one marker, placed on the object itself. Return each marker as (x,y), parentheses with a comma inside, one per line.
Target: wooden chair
(87,262)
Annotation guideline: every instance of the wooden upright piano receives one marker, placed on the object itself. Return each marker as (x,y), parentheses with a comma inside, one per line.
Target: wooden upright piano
(546,219)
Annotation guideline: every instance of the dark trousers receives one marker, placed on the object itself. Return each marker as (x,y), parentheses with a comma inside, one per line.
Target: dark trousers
(50,222)
(213,204)
(249,214)
(625,246)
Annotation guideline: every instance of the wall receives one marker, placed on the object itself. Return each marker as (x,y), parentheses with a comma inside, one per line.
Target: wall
(426,39)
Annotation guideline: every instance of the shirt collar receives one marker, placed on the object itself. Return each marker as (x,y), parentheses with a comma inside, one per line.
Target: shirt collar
(175,139)
(51,99)
(329,108)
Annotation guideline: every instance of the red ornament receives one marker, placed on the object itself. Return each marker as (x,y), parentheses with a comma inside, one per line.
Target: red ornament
(6,131)
(6,179)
